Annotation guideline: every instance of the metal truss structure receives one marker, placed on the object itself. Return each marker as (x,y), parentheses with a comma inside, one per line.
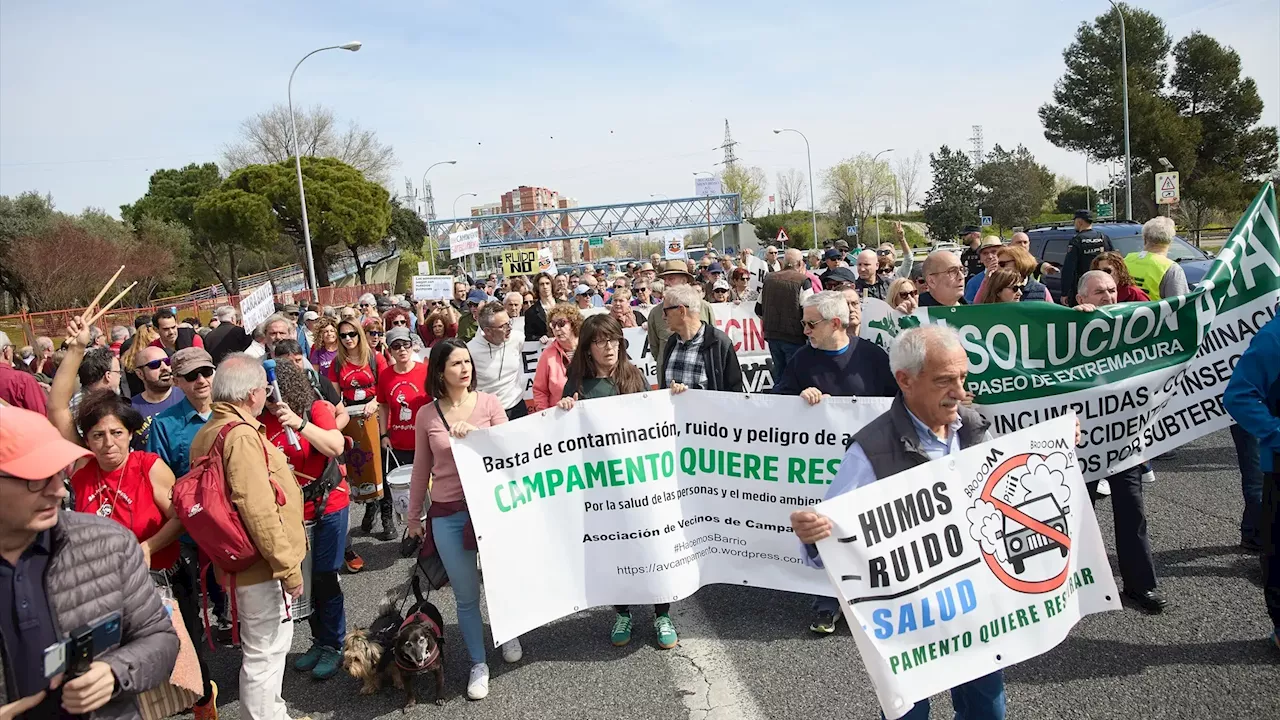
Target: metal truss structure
(537,226)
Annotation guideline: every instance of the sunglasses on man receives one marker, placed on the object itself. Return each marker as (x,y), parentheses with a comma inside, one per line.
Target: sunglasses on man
(204,372)
(156,364)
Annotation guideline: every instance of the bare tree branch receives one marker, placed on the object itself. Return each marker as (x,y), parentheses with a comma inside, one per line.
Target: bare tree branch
(792,186)
(908,171)
(267,138)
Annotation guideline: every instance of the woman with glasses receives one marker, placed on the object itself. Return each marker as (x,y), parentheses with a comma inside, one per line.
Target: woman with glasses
(437,326)
(1112,263)
(457,410)
(373,330)
(599,369)
(131,487)
(355,370)
(535,318)
(903,295)
(1015,258)
(553,366)
(1002,286)
(398,317)
(368,305)
(642,298)
(739,280)
(326,345)
(402,391)
(620,308)
(327,499)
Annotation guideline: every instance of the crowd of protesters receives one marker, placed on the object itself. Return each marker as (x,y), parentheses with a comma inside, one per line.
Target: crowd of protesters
(100,428)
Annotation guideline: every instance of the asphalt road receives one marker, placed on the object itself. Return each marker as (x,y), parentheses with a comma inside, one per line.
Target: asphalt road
(747,654)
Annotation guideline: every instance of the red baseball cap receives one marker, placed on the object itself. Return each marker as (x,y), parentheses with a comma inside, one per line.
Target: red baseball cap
(31,448)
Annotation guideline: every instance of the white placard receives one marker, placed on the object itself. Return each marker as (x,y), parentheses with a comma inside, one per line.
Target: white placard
(968,564)
(424,267)
(462,244)
(546,263)
(707,186)
(673,249)
(256,307)
(432,287)
(665,512)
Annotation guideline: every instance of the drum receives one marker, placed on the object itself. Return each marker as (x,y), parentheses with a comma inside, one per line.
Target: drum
(364,459)
(302,606)
(398,487)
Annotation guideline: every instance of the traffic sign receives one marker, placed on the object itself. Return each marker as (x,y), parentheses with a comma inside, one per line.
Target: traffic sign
(850,230)
(595,242)
(986,221)
(1167,188)
(1104,210)
(782,236)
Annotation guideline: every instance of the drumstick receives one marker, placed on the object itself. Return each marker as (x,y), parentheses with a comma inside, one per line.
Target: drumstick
(111,304)
(89,308)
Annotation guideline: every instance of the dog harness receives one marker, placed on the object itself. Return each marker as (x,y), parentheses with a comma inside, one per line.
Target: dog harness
(436,630)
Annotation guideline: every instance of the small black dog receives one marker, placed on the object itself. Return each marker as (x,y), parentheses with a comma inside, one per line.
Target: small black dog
(400,647)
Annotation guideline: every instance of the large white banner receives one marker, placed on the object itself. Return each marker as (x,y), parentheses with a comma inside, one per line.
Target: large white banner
(968,564)
(645,498)
(464,243)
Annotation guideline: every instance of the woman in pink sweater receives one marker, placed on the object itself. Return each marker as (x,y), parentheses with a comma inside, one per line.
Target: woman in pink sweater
(565,322)
(457,410)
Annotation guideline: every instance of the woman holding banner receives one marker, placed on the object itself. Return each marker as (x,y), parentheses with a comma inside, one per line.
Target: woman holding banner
(457,410)
(355,371)
(599,369)
(536,317)
(553,366)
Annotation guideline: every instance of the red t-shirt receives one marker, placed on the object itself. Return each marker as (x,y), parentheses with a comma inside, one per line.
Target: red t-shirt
(125,495)
(196,341)
(308,461)
(356,383)
(403,394)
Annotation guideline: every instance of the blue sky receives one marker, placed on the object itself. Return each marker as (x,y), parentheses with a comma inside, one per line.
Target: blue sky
(605,101)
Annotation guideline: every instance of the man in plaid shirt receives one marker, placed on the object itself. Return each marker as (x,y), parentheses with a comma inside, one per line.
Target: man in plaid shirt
(698,355)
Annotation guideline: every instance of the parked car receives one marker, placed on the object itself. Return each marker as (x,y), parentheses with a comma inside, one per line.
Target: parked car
(1049,244)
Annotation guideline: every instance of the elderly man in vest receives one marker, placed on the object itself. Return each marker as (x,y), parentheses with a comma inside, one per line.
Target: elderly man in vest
(256,470)
(1151,268)
(926,421)
(1133,547)
(779,309)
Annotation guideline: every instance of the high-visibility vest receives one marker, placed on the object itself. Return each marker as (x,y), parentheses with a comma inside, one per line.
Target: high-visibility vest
(1147,270)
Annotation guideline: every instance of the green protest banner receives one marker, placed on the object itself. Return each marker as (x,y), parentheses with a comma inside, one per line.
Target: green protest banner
(1143,377)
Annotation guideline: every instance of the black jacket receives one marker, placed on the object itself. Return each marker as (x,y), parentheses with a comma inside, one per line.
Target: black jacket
(535,322)
(721,360)
(1081,251)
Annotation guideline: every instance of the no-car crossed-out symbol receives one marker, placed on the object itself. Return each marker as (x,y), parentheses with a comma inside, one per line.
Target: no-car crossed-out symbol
(1013,513)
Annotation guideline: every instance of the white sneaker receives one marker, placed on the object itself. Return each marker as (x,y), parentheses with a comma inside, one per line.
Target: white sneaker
(511,651)
(1104,487)
(1148,477)
(478,684)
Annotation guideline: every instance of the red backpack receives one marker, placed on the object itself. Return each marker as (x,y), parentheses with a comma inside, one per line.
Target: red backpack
(202,501)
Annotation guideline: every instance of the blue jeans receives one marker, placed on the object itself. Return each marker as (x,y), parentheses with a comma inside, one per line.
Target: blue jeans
(781,353)
(980,699)
(328,615)
(460,563)
(1250,481)
(830,604)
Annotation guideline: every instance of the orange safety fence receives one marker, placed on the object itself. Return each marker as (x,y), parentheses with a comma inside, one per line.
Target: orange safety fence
(24,328)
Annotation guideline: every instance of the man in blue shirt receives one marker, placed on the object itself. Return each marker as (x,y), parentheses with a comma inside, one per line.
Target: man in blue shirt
(989,255)
(1253,399)
(835,362)
(172,430)
(927,421)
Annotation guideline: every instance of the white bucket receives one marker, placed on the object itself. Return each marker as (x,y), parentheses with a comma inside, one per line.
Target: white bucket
(398,486)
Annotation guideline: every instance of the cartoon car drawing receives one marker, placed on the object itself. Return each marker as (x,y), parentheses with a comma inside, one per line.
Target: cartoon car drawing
(1022,542)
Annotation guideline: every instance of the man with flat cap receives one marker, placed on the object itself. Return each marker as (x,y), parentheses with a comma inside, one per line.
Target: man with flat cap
(1083,248)
(971,257)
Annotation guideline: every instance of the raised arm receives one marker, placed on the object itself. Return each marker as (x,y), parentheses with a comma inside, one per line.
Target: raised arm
(65,380)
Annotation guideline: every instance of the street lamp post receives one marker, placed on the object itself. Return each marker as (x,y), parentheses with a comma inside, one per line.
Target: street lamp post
(813,208)
(877,207)
(1124,72)
(297,164)
(707,172)
(430,215)
(455,222)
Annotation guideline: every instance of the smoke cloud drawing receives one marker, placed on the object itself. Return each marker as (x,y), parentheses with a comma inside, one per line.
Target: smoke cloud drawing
(1039,477)
(985,522)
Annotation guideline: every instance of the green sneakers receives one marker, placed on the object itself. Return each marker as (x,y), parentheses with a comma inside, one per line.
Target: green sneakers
(621,634)
(328,665)
(666,631)
(308,661)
